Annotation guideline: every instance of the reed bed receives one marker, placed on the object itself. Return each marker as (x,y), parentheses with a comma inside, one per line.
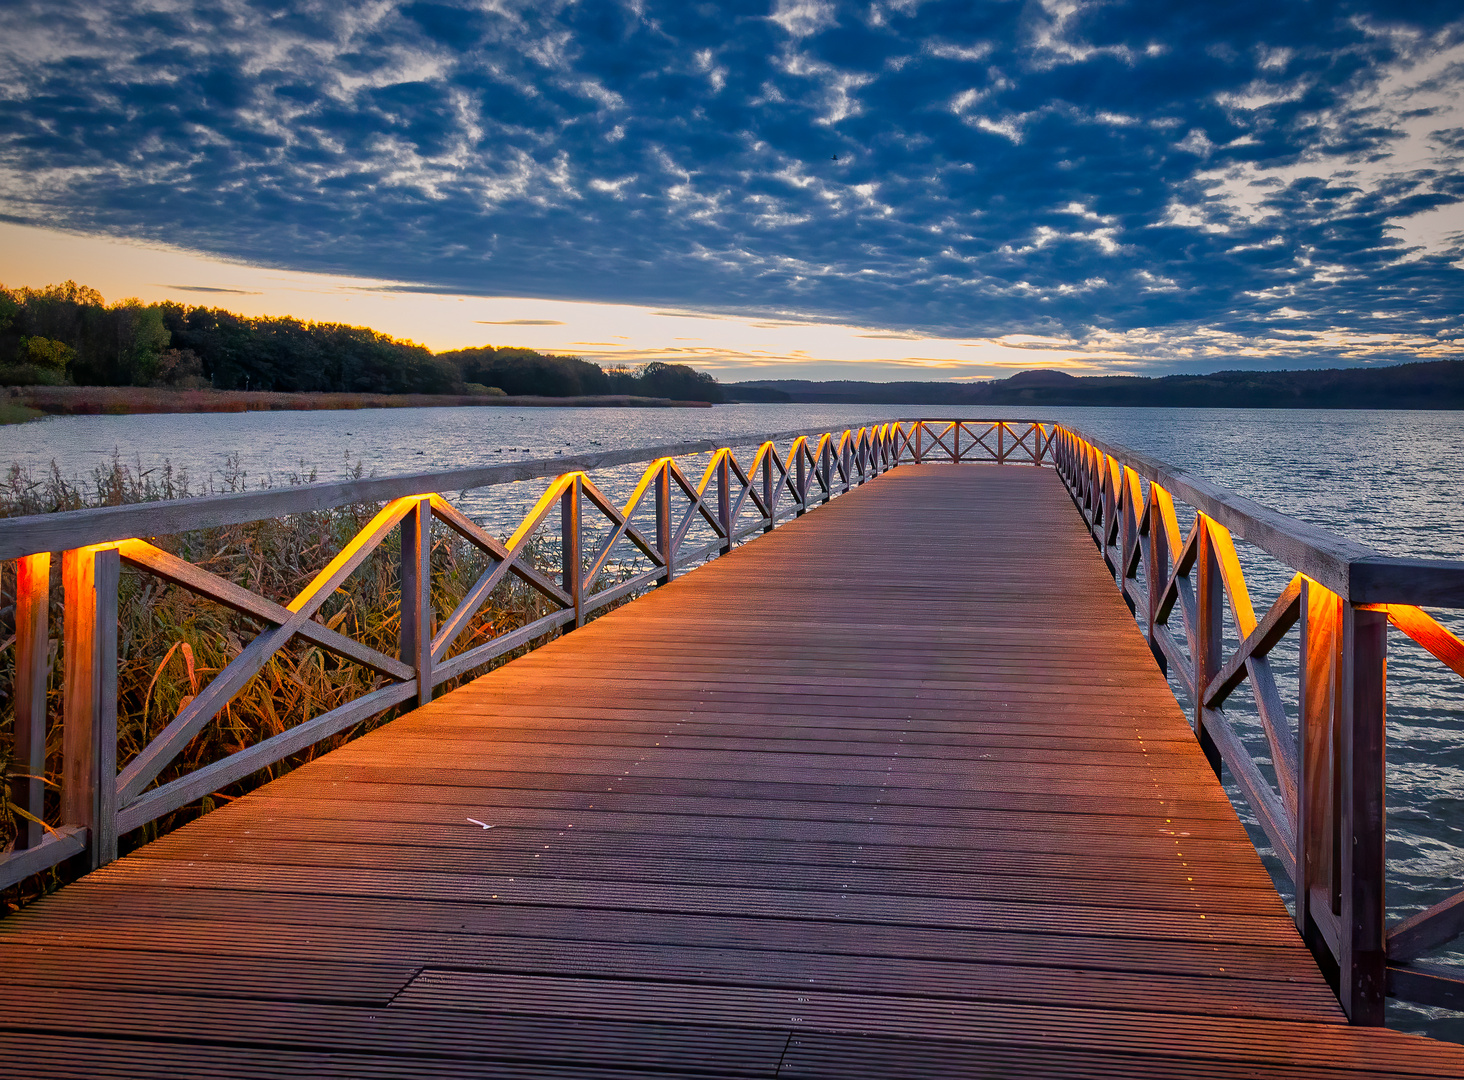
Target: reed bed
(171,641)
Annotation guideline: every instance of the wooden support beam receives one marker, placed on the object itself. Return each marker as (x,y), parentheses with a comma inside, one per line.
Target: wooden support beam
(1209,640)
(1316,824)
(32,674)
(1363,828)
(569,536)
(415,631)
(1439,985)
(1158,568)
(89,771)
(1430,929)
(665,538)
(724,501)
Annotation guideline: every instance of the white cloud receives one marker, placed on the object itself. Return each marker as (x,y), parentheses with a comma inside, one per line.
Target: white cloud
(803,18)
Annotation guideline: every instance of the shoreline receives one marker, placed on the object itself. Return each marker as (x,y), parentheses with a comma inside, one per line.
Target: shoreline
(127,400)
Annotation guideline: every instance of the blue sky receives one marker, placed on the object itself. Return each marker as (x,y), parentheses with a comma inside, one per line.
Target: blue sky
(1171,185)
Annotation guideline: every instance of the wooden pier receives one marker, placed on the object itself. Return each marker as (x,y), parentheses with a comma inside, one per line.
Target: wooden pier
(895,790)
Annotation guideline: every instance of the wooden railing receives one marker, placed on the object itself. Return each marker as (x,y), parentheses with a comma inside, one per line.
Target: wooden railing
(995,442)
(98,803)
(1324,813)
(734,499)
(1322,807)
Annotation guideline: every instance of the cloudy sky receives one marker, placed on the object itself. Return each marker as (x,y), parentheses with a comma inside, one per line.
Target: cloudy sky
(1147,186)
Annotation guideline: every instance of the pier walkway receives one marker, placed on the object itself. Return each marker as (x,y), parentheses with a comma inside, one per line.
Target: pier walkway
(896,790)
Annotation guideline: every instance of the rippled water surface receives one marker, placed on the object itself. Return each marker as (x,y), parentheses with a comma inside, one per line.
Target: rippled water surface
(1392,480)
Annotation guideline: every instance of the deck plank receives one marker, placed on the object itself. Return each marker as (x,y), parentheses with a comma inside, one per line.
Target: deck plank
(896,789)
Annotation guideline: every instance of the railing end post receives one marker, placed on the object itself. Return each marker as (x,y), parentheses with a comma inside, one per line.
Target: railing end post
(1363,963)
(32,671)
(90,577)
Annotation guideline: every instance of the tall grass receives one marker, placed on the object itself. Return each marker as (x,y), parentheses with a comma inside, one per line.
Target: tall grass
(171,641)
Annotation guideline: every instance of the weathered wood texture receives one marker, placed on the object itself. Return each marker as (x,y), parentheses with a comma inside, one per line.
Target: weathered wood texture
(896,790)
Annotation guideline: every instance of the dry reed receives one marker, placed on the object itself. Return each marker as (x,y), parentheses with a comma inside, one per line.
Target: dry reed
(171,641)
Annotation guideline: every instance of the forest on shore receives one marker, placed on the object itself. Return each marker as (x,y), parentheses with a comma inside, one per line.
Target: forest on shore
(68,334)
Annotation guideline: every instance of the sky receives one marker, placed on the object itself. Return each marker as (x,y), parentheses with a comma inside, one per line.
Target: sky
(784,188)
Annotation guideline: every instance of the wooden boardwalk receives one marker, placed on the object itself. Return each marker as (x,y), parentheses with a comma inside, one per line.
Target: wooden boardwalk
(896,790)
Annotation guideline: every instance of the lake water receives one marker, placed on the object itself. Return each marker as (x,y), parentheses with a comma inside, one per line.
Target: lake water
(1393,480)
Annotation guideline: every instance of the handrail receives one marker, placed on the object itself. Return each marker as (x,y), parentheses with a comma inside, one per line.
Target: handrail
(1353,571)
(1325,814)
(34,533)
(730,499)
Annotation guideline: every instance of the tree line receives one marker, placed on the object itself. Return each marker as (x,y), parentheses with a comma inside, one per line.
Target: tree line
(68,334)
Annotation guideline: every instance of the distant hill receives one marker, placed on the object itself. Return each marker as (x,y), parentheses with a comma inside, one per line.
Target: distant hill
(1437,384)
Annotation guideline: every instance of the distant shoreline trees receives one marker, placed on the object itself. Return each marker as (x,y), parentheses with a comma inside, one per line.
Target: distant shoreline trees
(68,333)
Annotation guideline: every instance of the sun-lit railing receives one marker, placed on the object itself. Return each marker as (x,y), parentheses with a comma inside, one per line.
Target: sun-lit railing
(1324,811)
(730,501)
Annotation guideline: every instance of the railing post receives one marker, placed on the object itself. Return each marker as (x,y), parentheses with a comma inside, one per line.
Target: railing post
(1122,523)
(1209,633)
(802,478)
(1110,505)
(1158,576)
(767,481)
(415,631)
(1341,820)
(724,501)
(663,519)
(90,577)
(1001,444)
(826,465)
(32,634)
(1128,533)
(569,548)
(1090,482)
(846,456)
(1316,823)
(919,442)
(1361,744)
(956,443)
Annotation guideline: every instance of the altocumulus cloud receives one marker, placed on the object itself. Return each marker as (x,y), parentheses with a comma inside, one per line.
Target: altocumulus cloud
(1272,177)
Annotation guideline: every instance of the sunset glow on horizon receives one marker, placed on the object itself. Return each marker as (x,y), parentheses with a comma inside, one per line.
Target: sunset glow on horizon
(779,189)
